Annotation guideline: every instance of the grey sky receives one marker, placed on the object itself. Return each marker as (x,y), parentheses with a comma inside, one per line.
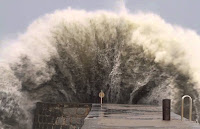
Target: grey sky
(16,15)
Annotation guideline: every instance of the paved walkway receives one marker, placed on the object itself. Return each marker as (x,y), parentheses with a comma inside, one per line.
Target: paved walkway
(120,116)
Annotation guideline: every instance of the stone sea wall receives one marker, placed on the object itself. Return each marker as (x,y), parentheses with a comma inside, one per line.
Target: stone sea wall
(60,116)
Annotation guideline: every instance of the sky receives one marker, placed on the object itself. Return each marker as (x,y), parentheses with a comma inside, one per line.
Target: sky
(17,15)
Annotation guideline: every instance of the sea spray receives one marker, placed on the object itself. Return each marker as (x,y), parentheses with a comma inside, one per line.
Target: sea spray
(70,55)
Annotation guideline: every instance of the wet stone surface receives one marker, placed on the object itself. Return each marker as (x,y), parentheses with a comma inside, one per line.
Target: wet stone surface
(120,116)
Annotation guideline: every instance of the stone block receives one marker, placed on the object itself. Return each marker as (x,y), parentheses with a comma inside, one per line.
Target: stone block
(49,126)
(76,121)
(36,118)
(57,113)
(60,121)
(65,126)
(43,112)
(82,111)
(36,126)
(67,121)
(49,119)
(53,119)
(73,127)
(40,111)
(69,111)
(45,126)
(40,126)
(48,112)
(40,119)
(57,127)
(44,119)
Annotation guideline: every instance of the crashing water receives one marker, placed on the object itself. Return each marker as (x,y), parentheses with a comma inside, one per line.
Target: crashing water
(70,55)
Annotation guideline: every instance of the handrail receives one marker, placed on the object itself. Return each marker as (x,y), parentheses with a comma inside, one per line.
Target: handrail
(182,107)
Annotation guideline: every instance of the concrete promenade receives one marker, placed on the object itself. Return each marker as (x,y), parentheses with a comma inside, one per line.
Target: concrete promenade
(120,116)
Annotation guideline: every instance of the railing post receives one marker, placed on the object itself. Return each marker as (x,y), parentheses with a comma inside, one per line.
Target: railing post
(182,107)
(166,106)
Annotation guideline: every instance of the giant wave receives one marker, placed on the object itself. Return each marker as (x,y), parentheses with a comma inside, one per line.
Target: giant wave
(70,55)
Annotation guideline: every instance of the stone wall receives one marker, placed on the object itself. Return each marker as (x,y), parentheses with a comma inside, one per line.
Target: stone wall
(60,116)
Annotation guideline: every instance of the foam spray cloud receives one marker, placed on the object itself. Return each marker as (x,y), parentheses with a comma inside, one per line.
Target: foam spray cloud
(70,55)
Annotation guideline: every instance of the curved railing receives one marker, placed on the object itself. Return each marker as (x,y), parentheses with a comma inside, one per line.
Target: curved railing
(182,107)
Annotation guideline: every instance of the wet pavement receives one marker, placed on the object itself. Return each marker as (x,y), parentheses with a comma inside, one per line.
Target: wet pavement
(120,116)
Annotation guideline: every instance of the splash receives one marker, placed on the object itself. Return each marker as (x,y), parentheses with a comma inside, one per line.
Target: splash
(121,7)
(70,55)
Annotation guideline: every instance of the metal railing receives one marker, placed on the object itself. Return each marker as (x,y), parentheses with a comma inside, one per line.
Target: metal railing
(182,107)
